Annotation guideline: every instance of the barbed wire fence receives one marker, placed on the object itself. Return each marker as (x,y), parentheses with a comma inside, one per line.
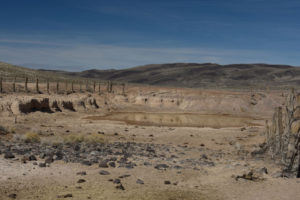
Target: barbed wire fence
(41,85)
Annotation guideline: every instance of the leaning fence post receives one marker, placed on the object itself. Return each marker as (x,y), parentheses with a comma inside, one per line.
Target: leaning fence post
(99,88)
(1,90)
(48,86)
(57,86)
(14,85)
(37,86)
(26,82)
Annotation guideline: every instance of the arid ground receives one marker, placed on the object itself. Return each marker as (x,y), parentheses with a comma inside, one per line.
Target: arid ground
(151,143)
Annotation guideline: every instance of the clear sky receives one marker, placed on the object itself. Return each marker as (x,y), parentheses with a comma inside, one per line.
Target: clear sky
(83,34)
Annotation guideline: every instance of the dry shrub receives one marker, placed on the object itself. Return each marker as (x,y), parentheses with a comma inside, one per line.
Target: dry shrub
(93,138)
(31,137)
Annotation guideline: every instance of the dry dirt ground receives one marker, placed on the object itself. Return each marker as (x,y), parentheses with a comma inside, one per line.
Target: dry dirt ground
(202,162)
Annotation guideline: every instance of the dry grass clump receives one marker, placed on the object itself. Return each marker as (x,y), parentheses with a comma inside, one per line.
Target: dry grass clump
(31,137)
(92,138)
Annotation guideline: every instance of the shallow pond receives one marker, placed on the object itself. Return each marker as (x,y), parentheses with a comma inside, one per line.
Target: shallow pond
(176,119)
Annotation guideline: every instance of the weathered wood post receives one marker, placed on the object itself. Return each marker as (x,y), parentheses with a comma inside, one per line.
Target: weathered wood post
(72,87)
(99,89)
(107,86)
(14,85)
(57,87)
(1,89)
(94,90)
(111,87)
(87,86)
(80,86)
(123,89)
(48,86)
(26,84)
(37,86)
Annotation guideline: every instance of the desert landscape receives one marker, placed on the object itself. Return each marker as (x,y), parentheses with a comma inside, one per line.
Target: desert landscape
(143,141)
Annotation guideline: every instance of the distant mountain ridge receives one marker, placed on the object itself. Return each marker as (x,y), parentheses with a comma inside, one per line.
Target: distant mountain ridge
(192,75)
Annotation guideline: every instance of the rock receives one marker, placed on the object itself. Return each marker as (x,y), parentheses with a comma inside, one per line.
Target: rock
(12,196)
(112,164)
(65,196)
(3,131)
(83,173)
(42,165)
(167,182)
(35,163)
(161,166)
(49,160)
(263,170)
(125,176)
(86,162)
(81,181)
(120,187)
(117,181)
(139,181)
(103,164)
(32,158)
(9,155)
(204,156)
(103,172)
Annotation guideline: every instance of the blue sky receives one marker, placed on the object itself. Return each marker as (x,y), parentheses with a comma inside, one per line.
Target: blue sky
(77,35)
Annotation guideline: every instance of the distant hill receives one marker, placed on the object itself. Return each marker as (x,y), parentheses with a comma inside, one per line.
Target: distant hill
(205,75)
(192,75)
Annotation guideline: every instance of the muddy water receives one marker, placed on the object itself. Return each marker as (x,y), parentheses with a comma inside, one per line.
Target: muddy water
(176,119)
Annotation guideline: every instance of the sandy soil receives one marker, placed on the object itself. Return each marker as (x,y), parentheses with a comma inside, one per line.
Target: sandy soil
(228,147)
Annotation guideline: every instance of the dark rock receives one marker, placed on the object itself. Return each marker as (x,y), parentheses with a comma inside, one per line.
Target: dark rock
(32,158)
(112,164)
(103,164)
(86,162)
(147,164)
(167,182)
(3,131)
(12,196)
(161,166)
(9,155)
(65,196)
(103,172)
(125,176)
(83,173)
(81,181)
(49,160)
(117,181)
(264,170)
(204,156)
(139,181)
(120,187)
(42,165)
(35,163)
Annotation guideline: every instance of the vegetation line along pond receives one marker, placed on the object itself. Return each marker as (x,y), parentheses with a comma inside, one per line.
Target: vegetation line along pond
(176,119)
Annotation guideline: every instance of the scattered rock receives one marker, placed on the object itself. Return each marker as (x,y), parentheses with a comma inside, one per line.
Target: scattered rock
(65,196)
(125,176)
(120,187)
(83,173)
(32,158)
(81,181)
(103,164)
(103,172)
(161,166)
(12,196)
(117,181)
(42,165)
(86,162)
(139,181)
(167,182)
(9,155)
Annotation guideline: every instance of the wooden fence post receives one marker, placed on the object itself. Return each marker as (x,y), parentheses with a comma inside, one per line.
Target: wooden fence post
(87,86)
(37,86)
(99,88)
(26,84)
(1,89)
(48,86)
(72,87)
(80,86)
(14,85)
(123,89)
(57,87)
(94,86)
(66,86)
